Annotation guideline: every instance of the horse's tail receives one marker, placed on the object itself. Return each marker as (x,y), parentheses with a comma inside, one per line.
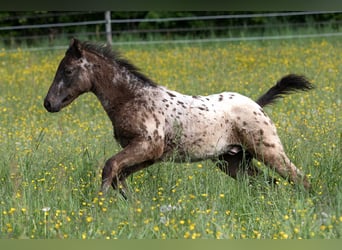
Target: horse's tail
(286,85)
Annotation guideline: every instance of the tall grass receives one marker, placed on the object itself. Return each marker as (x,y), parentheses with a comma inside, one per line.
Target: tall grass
(51,163)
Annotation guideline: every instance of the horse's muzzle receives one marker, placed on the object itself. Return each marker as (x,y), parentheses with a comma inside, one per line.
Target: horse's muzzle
(49,107)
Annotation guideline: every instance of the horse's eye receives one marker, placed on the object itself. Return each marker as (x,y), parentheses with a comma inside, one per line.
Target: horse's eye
(68,72)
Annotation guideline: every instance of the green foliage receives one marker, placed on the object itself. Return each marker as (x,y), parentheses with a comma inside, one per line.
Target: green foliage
(50,167)
(145,30)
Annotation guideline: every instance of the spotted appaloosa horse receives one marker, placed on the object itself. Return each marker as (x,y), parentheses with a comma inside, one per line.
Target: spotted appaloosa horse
(153,123)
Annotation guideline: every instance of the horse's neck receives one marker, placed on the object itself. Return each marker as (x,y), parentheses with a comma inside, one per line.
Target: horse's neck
(114,89)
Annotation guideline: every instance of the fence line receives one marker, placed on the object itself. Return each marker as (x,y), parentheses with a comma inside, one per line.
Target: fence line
(190,29)
(53,14)
(191,18)
(209,40)
(52,25)
(214,28)
(235,16)
(108,32)
(231,39)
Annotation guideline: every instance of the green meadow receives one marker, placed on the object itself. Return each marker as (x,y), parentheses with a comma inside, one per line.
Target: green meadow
(50,165)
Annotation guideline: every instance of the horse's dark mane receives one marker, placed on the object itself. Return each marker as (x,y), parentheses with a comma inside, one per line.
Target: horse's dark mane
(113,55)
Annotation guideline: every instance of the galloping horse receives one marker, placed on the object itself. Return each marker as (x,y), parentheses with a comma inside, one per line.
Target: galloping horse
(153,123)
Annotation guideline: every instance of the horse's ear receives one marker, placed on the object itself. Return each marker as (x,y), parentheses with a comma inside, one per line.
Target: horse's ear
(75,48)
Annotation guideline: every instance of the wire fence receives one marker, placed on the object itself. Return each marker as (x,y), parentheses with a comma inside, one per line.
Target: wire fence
(124,34)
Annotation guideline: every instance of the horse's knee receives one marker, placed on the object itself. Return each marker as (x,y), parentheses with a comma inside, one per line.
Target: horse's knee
(107,171)
(109,175)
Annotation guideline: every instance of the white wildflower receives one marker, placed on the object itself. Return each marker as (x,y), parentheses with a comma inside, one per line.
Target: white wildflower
(46,209)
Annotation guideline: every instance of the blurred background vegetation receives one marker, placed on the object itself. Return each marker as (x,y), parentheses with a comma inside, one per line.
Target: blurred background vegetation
(15,27)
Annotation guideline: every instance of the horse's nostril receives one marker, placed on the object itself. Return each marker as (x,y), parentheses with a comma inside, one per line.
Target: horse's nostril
(51,107)
(47,105)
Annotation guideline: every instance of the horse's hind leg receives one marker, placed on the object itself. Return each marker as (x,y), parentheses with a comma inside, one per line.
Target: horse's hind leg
(281,163)
(266,147)
(239,161)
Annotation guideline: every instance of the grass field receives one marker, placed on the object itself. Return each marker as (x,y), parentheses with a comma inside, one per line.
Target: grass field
(51,164)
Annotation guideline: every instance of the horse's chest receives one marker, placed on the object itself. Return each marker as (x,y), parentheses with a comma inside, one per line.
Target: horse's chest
(138,120)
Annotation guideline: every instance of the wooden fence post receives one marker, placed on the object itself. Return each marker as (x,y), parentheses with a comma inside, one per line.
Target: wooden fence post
(108,28)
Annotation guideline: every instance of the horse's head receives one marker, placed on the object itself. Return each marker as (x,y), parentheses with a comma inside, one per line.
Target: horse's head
(71,80)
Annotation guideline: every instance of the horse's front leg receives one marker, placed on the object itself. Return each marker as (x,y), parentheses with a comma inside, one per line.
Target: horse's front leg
(120,182)
(135,156)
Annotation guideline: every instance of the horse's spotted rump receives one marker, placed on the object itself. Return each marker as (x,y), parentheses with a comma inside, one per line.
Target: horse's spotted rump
(153,123)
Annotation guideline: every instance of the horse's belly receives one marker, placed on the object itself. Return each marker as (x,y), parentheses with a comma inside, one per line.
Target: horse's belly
(206,146)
